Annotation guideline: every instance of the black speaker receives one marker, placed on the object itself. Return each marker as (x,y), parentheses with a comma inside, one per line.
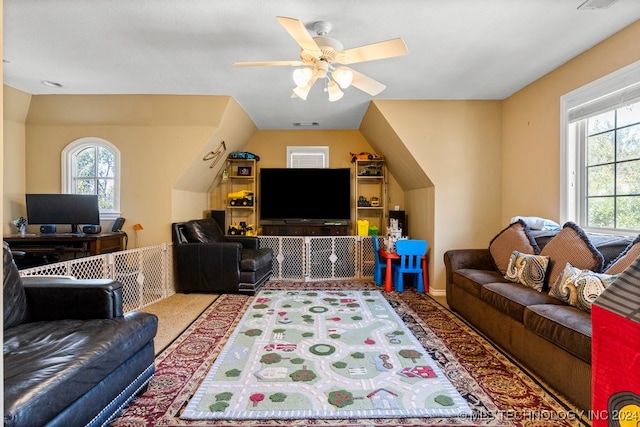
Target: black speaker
(91,229)
(47,228)
(402,221)
(219,217)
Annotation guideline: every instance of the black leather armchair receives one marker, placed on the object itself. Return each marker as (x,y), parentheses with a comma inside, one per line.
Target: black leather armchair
(208,261)
(71,357)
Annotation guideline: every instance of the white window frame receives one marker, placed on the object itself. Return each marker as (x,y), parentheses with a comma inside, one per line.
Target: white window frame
(318,156)
(572,185)
(67,160)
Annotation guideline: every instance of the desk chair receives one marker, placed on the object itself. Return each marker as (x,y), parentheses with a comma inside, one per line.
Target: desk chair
(411,253)
(378,264)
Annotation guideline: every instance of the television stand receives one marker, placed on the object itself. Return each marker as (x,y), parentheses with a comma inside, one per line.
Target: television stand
(316,229)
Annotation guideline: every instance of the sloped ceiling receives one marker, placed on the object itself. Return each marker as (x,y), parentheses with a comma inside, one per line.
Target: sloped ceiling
(458,49)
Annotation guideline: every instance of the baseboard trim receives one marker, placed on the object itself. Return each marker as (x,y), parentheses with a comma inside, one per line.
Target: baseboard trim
(437,292)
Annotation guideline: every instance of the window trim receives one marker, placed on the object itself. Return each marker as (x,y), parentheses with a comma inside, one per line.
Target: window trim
(67,170)
(571,187)
(292,151)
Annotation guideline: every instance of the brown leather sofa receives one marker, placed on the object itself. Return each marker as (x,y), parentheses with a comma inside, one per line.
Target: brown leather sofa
(550,338)
(71,357)
(206,260)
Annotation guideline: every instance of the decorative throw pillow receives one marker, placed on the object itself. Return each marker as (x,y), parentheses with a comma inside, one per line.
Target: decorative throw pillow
(516,237)
(571,245)
(580,288)
(625,258)
(529,270)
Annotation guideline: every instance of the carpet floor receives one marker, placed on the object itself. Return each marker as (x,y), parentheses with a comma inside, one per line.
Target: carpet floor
(499,392)
(175,314)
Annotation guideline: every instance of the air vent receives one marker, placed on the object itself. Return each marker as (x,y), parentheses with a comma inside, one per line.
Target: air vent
(596,4)
(306,124)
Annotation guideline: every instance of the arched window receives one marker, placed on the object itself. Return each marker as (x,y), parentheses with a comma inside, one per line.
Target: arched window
(92,166)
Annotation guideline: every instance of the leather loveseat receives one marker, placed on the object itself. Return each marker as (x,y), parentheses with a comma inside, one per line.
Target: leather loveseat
(548,336)
(207,261)
(71,357)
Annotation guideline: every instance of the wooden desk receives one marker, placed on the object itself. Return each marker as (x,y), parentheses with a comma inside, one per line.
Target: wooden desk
(389,257)
(66,243)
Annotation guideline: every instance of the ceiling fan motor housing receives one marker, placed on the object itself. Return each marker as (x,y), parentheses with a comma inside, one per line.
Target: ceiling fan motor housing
(329,47)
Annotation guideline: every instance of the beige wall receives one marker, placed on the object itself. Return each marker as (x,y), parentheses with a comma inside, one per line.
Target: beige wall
(16,106)
(159,137)
(447,154)
(162,140)
(486,161)
(531,127)
(271,146)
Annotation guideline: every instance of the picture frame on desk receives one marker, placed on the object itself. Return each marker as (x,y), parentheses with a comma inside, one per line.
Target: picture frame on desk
(244,170)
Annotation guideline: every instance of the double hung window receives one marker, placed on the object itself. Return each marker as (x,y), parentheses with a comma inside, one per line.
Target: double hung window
(600,176)
(611,142)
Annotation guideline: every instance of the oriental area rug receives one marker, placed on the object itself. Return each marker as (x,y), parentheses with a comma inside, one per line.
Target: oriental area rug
(496,390)
(323,354)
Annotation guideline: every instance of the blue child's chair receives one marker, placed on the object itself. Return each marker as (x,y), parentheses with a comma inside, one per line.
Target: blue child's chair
(411,253)
(378,265)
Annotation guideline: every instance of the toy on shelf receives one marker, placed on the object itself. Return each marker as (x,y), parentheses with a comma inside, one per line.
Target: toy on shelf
(244,155)
(363,202)
(370,170)
(365,156)
(241,230)
(241,198)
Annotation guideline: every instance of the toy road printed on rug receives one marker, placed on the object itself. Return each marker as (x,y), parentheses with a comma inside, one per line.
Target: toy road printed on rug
(323,354)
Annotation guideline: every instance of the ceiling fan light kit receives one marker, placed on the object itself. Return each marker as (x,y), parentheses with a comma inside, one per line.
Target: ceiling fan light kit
(322,57)
(301,92)
(343,76)
(302,76)
(334,91)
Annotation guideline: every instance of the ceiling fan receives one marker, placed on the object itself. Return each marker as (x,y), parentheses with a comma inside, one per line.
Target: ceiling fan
(322,57)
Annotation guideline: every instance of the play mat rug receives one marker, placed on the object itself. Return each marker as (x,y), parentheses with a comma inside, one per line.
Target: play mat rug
(323,354)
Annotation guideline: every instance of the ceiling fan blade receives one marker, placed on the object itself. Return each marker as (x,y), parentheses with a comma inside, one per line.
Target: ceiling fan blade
(269,64)
(370,52)
(300,34)
(366,84)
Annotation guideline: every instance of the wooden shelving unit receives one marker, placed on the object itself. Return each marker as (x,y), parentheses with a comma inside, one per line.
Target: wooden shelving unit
(241,202)
(371,193)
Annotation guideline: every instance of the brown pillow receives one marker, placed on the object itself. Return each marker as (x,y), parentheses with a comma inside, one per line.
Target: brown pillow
(571,245)
(516,237)
(625,258)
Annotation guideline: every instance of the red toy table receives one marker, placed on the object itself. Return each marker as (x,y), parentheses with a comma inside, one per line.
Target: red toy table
(389,257)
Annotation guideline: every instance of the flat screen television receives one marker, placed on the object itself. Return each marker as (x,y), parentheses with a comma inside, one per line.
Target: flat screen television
(73,209)
(300,195)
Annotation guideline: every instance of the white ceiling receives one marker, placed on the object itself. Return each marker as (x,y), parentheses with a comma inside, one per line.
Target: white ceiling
(458,49)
